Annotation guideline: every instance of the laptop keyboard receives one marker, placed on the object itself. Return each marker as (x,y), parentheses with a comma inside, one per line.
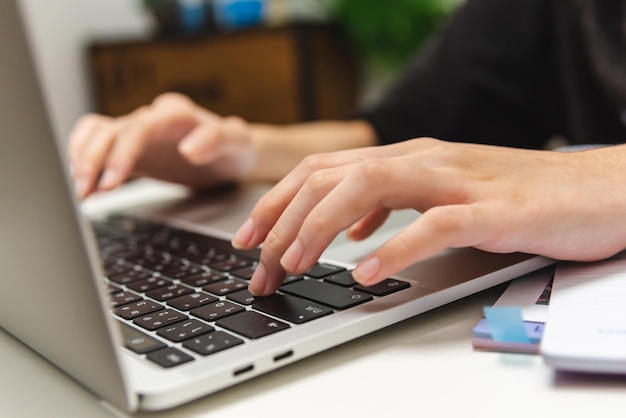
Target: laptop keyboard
(180,295)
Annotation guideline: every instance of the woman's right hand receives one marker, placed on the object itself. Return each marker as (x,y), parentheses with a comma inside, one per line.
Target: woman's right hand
(171,139)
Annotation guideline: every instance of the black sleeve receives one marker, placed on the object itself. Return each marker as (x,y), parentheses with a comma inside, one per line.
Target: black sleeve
(482,79)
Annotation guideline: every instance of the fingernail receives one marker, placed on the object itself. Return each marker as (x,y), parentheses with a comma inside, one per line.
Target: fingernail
(110,179)
(258,281)
(293,256)
(244,235)
(367,270)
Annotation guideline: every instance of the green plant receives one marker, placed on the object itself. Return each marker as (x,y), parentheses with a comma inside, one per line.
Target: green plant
(387,33)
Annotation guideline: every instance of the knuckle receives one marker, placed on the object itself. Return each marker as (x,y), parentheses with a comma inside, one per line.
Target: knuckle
(375,173)
(316,222)
(234,128)
(139,112)
(428,141)
(92,120)
(442,221)
(273,244)
(315,162)
(319,182)
(271,202)
(373,169)
(172,99)
(234,120)
(317,179)
(431,147)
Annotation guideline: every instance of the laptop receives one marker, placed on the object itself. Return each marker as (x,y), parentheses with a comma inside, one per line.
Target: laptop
(112,311)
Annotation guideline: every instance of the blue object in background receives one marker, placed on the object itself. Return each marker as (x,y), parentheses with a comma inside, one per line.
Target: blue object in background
(238,13)
(193,16)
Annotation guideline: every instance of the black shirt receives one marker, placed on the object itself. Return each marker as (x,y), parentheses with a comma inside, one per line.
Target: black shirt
(504,72)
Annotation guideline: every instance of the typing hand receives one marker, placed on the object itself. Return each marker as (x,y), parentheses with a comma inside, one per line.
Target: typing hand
(172,139)
(492,198)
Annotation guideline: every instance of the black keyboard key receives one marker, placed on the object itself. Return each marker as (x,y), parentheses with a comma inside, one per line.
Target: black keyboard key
(385,287)
(135,309)
(184,330)
(252,325)
(169,357)
(244,297)
(207,257)
(153,260)
(342,279)
(191,300)
(115,267)
(231,263)
(139,342)
(212,343)
(149,284)
(216,310)
(130,276)
(182,270)
(290,278)
(203,279)
(122,298)
(327,294)
(168,292)
(321,270)
(111,288)
(225,287)
(159,319)
(244,273)
(291,308)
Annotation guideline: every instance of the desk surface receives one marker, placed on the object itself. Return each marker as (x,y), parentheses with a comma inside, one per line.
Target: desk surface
(424,366)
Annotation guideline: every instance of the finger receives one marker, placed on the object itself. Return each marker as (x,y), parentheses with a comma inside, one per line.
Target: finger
(316,224)
(268,209)
(82,133)
(366,226)
(152,132)
(390,183)
(81,168)
(348,194)
(212,139)
(92,159)
(198,147)
(267,279)
(442,227)
(125,151)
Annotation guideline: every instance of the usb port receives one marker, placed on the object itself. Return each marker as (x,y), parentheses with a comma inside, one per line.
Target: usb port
(243,370)
(283,356)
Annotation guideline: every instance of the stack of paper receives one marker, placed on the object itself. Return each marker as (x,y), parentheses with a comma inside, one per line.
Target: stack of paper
(586,329)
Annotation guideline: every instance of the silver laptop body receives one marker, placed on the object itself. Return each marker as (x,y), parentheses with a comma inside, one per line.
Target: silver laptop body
(54,299)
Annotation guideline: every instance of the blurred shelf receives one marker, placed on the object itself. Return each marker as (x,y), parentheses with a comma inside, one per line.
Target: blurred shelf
(274,75)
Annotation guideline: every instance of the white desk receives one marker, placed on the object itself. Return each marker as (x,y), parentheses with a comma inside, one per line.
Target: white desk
(424,367)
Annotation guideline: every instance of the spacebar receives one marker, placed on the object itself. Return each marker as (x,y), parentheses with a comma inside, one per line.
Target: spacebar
(327,294)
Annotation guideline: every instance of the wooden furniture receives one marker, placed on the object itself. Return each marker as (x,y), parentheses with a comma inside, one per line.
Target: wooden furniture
(273,75)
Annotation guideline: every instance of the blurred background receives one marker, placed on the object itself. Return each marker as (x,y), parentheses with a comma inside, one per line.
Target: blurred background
(275,61)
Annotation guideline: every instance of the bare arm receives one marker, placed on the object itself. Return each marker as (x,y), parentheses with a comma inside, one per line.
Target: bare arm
(281,148)
(174,139)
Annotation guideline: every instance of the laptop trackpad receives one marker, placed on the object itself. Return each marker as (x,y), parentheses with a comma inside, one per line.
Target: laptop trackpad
(448,268)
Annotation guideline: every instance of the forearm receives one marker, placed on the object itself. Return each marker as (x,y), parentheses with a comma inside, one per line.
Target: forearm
(279,148)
